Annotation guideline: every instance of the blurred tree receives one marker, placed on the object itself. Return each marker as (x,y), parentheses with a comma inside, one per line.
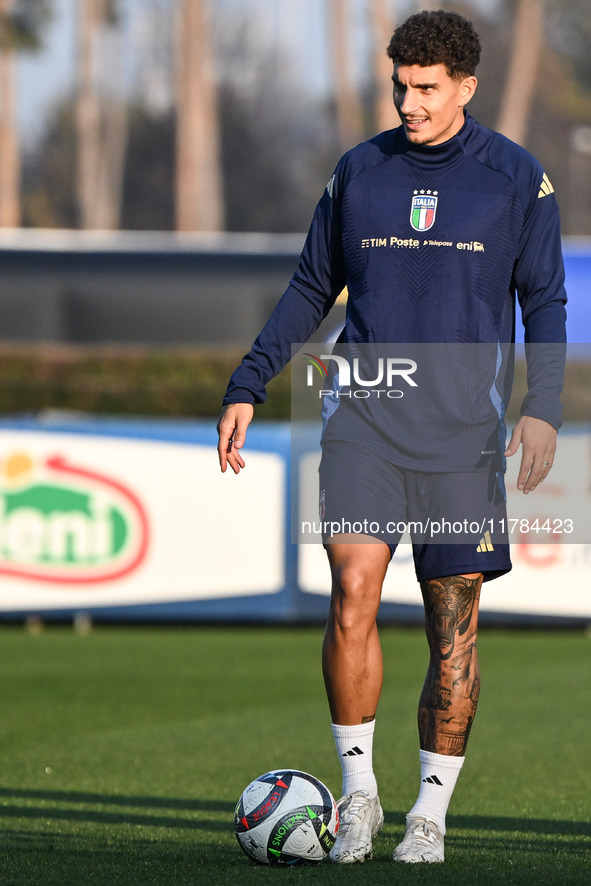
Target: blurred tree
(149,180)
(149,177)
(382,14)
(277,158)
(279,141)
(564,110)
(345,89)
(49,188)
(528,38)
(278,148)
(21,23)
(278,138)
(100,115)
(199,201)
(569,33)
(9,153)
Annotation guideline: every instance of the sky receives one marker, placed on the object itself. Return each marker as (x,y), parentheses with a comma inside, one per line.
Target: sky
(44,75)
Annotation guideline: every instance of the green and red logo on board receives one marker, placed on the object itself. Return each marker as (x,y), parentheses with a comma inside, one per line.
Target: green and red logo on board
(423,209)
(66,523)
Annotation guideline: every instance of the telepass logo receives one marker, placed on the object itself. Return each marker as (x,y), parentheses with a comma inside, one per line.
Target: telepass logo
(64,523)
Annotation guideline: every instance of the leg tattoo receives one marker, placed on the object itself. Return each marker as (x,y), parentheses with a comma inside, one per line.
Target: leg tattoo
(449,609)
(450,693)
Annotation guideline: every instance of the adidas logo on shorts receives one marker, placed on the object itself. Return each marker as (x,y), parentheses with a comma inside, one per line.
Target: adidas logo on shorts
(485,544)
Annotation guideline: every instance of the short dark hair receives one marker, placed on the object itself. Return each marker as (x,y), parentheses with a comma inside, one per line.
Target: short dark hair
(437,38)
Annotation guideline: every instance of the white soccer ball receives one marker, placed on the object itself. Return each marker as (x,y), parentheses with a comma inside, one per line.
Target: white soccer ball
(286,817)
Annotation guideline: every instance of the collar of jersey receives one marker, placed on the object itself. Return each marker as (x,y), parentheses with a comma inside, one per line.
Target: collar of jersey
(444,153)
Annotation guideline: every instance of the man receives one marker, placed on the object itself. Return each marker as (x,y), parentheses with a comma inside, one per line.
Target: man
(493,233)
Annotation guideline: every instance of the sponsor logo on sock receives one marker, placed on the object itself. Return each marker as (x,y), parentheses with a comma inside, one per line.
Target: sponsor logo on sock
(432,779)
(354,752)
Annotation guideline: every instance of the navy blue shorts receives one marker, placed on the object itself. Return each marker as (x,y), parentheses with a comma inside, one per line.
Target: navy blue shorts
(457,522)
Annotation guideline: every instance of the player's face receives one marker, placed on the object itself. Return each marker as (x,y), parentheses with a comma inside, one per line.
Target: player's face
(430,103)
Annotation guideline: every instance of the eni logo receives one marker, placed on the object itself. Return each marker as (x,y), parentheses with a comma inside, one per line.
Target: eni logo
(64,523)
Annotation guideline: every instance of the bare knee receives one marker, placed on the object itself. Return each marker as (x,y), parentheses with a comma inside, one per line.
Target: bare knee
(357,578)
(355,599)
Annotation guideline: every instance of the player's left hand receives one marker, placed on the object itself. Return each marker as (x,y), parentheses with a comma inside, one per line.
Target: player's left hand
(538,441)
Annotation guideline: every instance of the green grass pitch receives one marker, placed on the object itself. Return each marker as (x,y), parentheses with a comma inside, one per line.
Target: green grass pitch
(125,750)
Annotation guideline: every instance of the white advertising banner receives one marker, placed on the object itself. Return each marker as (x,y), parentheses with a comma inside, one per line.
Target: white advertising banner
(99,521)
(551,576)
(89,521)
(535,586)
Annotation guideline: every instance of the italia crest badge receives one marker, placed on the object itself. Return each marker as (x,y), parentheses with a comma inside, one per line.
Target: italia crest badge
(423,210)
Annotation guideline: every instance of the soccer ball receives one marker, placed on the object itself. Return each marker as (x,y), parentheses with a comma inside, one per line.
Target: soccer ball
(286,817)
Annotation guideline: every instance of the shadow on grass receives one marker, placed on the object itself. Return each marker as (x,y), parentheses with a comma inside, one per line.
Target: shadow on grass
(506,824)
(117,799)
(506,839)
(119,808)
(132,839)
(56,858)
(114,809)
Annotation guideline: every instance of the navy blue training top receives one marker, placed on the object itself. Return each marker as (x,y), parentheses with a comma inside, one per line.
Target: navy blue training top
(434,243)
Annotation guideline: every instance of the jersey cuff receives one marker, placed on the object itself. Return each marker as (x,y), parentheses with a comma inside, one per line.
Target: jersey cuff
(554,419)
(239,395)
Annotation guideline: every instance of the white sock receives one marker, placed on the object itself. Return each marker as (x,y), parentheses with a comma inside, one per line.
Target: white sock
(439,774)
(355,750)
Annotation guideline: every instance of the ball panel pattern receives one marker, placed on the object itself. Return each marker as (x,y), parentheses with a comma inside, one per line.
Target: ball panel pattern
(286,817)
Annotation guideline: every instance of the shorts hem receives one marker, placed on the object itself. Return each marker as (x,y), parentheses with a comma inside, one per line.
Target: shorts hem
(490,573)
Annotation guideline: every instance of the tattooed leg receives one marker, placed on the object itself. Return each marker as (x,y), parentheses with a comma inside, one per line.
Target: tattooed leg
(448,702)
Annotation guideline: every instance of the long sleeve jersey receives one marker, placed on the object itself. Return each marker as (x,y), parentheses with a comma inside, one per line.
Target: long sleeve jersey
(435,245)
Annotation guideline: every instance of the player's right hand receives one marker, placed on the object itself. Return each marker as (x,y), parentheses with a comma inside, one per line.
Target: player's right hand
(232,424)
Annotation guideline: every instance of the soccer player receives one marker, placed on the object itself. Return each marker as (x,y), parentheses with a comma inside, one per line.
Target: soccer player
(493,240)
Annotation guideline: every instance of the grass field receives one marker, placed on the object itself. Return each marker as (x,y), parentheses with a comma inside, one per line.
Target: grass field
(124,752)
